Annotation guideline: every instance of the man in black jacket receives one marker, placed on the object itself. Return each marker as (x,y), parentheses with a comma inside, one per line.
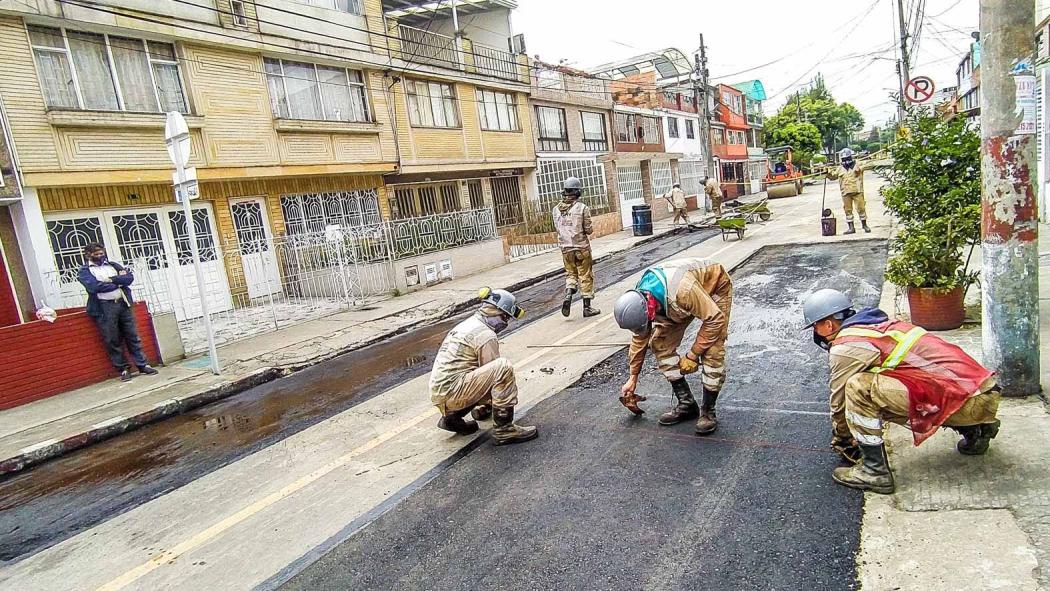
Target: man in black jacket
(108,285)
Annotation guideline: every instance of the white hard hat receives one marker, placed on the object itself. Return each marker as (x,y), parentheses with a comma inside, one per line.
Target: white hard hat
(823,303)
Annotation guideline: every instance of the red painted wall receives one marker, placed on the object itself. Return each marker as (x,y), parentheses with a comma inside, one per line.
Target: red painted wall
(42,359)
(8,302)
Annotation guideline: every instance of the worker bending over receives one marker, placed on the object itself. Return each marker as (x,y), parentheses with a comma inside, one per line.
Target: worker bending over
(469,376)
(889,370)
(666,300)
(572,219)
(676,199)
(850,175)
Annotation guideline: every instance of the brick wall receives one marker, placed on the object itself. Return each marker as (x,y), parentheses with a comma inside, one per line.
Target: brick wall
(42,359)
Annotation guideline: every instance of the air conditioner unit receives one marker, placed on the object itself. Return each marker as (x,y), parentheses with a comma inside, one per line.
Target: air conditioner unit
(517,44)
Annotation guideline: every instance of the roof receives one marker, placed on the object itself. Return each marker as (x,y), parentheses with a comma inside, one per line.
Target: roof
(753,89)
(669,65)
(441,8)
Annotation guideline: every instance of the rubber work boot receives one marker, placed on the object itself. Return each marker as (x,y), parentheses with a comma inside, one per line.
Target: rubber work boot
(976,438)
(506,431)
(864,224)
(481,412)
(566,305)
(847,448)
(588,311)
(685,410)
(708,421)
(872,473)
(454,422)
(852,229)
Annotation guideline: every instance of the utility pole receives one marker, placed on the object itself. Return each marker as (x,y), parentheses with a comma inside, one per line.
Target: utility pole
(1009,222)
(904,66)
(700,88)
(798,105)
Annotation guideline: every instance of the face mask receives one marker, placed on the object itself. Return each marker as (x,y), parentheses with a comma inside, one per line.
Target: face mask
(848,164)
(821,341)
(496,323)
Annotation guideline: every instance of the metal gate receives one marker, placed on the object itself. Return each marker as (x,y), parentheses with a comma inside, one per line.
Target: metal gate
(629,185)
(506,196)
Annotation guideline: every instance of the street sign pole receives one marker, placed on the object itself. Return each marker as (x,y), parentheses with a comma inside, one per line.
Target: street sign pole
(177,136)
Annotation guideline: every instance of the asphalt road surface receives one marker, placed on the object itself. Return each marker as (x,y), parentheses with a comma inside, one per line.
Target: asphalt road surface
(603,500)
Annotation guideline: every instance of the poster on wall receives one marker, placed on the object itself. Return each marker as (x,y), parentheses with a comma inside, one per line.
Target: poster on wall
(446,269)
(430,273)
(412,275)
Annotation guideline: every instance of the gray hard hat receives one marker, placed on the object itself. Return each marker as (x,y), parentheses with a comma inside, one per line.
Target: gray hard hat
(632,312)
(823,303)
(503,300)
(572,184)
(845,153)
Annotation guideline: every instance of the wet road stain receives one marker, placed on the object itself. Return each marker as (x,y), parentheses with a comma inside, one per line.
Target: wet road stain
(56,500)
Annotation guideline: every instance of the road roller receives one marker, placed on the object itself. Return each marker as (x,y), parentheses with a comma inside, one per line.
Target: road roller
(783,179)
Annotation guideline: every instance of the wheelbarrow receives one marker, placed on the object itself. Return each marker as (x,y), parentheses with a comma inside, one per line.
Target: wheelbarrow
(752,212)
(732,224)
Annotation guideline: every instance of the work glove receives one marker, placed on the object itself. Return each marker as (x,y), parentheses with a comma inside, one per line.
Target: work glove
(629,399)
(687,365)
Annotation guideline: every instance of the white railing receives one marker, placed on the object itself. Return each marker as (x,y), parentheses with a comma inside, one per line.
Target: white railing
(415,236)
(495,62)
(425,47)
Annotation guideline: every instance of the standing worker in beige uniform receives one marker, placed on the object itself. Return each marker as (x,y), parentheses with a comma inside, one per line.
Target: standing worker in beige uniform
(469,376)
(660,308)
(714,193)
(676,198)
(850,176)
(572,220)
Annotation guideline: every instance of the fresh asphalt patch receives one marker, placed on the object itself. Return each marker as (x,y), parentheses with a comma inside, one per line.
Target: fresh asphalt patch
(603,500)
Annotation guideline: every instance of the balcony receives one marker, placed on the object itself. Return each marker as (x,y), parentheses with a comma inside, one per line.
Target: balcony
(427,47)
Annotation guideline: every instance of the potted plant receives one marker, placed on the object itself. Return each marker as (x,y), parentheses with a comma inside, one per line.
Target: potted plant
(934,191)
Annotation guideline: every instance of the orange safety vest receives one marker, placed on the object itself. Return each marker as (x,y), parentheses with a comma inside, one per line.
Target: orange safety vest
(940,376)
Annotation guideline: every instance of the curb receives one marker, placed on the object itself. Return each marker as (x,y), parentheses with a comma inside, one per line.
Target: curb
(53,448)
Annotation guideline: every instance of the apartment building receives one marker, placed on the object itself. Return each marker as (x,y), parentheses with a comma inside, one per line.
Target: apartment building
(340,151)
(683,128)
(729,140)
(968,81)
(757,162)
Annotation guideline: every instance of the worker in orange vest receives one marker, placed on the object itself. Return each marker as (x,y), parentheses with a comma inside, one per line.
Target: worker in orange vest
(889,370)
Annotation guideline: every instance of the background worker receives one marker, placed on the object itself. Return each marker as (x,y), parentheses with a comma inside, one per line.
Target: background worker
(850,175)
(572,219)
(889,370)
(676,198)
(660,308)
(469,376)
(714,193)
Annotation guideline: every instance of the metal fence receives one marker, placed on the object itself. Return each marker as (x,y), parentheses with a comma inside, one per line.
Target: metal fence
(422,46)
(495,62)
(266,284)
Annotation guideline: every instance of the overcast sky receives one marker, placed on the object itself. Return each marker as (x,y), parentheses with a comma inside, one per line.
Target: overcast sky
(851,42)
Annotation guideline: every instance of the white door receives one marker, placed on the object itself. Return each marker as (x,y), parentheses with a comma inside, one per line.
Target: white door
(184,276)
(257,255)
(629,186)
(140,241)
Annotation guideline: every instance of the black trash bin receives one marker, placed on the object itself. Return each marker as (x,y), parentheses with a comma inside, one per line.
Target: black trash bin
(642,220)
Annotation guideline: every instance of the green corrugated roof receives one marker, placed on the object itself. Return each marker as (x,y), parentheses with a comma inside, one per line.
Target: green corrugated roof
(753,89)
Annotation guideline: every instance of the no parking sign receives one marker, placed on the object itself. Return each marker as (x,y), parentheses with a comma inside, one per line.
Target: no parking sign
(919,90)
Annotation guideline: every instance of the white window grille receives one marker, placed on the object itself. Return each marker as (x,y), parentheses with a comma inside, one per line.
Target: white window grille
(312,212)
(498,111)
(81,70)
(594,137)
(300,90)
(554,134)
(552,172)
(691,174)
(431,104)
(629,182)
(68,238)
(660,173)
(351,6)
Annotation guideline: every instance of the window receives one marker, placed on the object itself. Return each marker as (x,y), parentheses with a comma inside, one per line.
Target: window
(240,19)
(717,136)
(310,213)
(626,128)
(672,127)
(554,135)
(431,104)
(690,129)
(594,138)
(351,6)
(433,199)
(301,90)
(498,111)
(552,172)
(477,194)
(81,70)
(650,130)
(68,239)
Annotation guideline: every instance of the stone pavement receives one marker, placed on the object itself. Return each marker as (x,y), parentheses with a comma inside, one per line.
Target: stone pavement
(960,522)
(46,428)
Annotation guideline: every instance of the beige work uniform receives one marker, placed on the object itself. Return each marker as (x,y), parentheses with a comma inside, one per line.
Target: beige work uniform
(851,185)
(862,400)
(572,219)
(696,289)
(468,370)
(677,200)
(714,193)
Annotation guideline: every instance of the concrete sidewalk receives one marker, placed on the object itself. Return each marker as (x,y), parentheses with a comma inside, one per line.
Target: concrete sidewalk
(960,522)
(50,427)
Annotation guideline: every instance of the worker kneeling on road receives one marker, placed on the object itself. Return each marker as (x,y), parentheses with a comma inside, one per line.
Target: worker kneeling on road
(666,300)
(889,370)
(469,376)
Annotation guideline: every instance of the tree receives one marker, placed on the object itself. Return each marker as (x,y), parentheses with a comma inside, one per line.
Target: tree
(834,121)
(804,138)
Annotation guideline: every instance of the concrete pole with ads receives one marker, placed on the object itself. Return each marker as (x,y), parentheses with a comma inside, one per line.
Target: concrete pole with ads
(1009,222)
(177,137)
